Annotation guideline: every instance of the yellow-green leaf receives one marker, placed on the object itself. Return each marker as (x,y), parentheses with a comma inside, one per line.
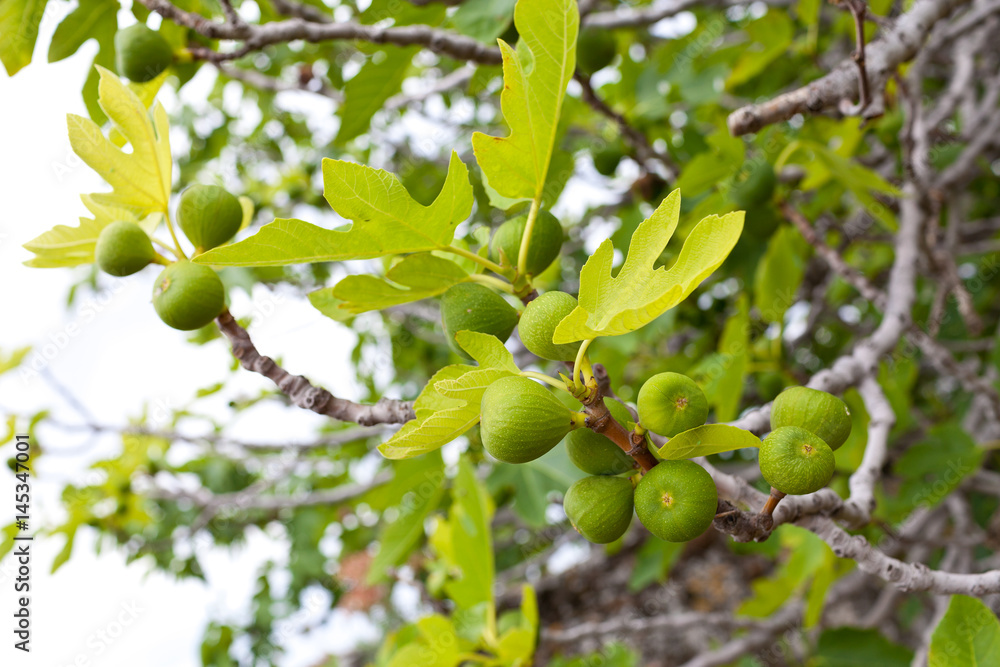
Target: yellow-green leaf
(19,20)
(611,306)
(386,221)
(416,277)
(968,634)
(706,440)
(535,79)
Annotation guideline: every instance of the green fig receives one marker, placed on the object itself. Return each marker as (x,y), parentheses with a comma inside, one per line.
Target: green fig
(676,500)
(539,321)
(546,241)
(123,249)
(600,508)
(188,296)
(795,461)
(816,411)
(606,160)
(142,53)
(475,307)
(756,188)
(209,216)
(522,420)
(595,49)
(670,403)
(595,453)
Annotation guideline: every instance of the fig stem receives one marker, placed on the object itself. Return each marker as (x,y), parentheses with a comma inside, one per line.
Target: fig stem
(462,252)
(160,259)
(173,235)
(600,420)
(771,503)
(582,363)
(529,226)
(490,281)
(558,384)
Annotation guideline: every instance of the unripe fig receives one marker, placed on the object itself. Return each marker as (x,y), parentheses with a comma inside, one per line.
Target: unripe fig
(595,49)
(670,403)
(756,188)
(123,249)
(539,321)
(475,307)
(600,508)
(795,461)
(209,216)
(142,53)
(606,160)
(816,411)
(595,453)
(188,296)
(676,500)
(546,241)
(522,420)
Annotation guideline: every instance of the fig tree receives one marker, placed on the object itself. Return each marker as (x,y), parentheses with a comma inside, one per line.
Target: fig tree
(539,321)
(670,403)
(188,296)
(521,420)
(676,500)
(209,216)
(595,49)
(795,461)
(816,411)
(595,453)
(546,241)
(123,249)
(142,53)
(475,307)
(600,508)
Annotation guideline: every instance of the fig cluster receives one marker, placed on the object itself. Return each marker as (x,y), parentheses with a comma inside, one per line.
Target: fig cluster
(186,296)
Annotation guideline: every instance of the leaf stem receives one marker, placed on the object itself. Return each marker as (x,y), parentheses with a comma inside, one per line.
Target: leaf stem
(558,384)
(173,235)
(522,254)
(582,363)
(462,252)
(785,155)
(496,283)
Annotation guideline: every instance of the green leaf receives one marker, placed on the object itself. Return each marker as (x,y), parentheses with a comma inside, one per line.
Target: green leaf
(853,647)
(380,78)
(9,362)
(420,276)
(771,35)
(653,563)
(533,482)
(732,357)
(470,547)
(535,79)
(779,274)
(449,404)
(807,555)
(19,20)
(91,19)
(611,306)
(706,440)
(968,635)
(484,20)
(386,221)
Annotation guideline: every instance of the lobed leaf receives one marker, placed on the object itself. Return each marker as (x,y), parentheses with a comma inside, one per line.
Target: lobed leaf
(416,277)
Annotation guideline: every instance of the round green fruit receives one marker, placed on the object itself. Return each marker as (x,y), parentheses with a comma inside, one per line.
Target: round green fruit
(546,241)
(522,420)
(670,403)
(539,321)
(123,249)
(142,53)
(676,500)
(595,49)
(209,216)
(475,307)
(188,296)
(595,453)
(600,508)
(756,188)
(606,160)
(816,411)
(795,461)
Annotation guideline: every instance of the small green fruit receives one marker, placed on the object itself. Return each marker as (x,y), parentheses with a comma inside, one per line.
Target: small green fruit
(209,216)
(142,53)
(539,321)
(670,403)
(546,241)
(522,420)
(595,49)
(756,189)
(123,249)
(595,453)
(188,296)
(676,500)
(795,461)
(600,508)
(475,307)
(816,411)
